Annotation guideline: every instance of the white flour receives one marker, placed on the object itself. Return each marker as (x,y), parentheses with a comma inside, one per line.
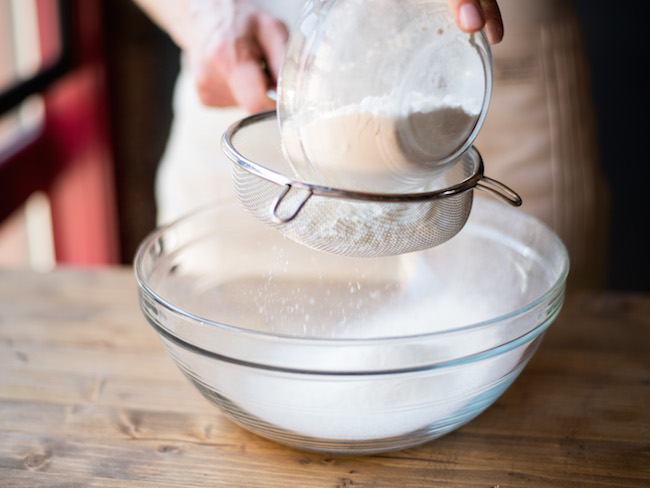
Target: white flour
(300,293)
(360,148)
(361,407)
(368,148)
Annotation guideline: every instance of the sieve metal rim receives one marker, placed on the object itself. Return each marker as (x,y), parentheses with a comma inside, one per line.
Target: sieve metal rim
(475,180)
(469,183)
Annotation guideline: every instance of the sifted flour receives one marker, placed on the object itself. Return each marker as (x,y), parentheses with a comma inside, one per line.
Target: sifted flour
(317,317)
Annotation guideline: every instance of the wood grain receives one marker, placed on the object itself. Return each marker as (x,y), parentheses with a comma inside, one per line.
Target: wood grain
(89,398)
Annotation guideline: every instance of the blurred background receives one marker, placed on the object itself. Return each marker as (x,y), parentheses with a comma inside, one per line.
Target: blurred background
(85,108)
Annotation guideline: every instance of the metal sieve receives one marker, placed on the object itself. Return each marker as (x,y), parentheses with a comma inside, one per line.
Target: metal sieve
(346,222)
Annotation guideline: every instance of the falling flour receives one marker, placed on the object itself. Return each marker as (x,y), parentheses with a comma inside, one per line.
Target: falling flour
(359,407)
(298,293)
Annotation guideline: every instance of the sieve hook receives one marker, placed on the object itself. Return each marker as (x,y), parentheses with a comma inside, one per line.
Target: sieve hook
(499,190)
(275,205)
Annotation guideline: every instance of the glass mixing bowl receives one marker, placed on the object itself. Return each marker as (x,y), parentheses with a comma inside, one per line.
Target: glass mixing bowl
(350,355)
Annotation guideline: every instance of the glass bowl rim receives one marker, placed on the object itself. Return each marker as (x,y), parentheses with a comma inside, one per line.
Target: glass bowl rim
(556,289)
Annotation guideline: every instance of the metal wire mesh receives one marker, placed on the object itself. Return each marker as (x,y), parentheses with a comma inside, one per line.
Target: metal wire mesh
(348,223)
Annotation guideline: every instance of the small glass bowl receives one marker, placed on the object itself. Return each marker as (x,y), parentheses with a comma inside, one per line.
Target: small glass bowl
(381,99)
(349,355)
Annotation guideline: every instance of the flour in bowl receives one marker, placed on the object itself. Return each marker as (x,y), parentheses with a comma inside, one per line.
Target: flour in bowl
(368,148)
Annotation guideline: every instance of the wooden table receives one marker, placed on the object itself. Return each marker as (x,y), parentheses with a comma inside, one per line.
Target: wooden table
(89,398)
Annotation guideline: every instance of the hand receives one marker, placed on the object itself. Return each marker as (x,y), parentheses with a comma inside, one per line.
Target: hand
(235,49)
(474,15)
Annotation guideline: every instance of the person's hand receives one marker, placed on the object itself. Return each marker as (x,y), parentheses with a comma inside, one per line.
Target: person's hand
(235,50)
(235,47)
(474,15)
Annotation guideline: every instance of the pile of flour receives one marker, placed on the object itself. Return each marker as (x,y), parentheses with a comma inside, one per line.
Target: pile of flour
(293,292)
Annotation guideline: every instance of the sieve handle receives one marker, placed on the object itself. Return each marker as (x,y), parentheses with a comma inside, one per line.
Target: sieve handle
(275,205)
(499,190)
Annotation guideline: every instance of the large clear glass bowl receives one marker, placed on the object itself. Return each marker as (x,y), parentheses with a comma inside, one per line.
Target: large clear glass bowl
(350,355)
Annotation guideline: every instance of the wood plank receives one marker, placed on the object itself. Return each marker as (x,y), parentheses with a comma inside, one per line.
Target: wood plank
(222,464)
(89,397)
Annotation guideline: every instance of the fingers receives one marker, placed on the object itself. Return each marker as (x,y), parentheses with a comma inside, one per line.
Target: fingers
(468,14)
(258,65)
(235,55)
(493,21)
(273,36)
(212,88)
(249,83)
(233,74)
(474,15)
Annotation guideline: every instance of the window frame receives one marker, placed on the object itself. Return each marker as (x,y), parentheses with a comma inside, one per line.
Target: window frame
(68,157)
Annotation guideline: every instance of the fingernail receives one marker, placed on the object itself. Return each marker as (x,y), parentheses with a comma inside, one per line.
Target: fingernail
(494,32)
(470,18)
